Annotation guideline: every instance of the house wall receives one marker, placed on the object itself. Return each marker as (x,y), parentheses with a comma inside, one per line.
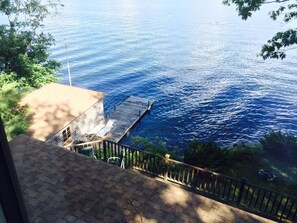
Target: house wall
(82,125)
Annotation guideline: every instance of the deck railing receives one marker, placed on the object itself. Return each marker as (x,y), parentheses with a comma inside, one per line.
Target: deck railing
(237,192)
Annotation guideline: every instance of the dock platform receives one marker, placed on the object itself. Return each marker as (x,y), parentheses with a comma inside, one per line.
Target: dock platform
(126,116)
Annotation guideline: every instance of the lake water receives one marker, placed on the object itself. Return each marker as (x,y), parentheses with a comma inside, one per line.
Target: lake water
(196,59)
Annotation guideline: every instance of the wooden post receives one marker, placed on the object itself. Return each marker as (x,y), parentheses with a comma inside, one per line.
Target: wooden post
(104,151)
(243,182)
(166,166)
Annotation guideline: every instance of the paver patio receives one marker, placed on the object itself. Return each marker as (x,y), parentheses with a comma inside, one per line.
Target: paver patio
(61,186)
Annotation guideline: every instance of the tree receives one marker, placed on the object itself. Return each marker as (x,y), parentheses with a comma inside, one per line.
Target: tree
(24,48)
(13,115)
(277,46)
(206,154)
(280,144)
(24,57)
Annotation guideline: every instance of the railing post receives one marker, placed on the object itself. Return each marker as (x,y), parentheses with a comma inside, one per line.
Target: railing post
(166,166)
(104,151)
(243,182)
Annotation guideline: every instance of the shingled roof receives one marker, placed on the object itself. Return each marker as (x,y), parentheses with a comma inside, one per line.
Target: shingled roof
(53,106)
(62,186)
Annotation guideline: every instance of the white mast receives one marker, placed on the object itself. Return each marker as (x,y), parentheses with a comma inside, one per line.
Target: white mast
(68,66)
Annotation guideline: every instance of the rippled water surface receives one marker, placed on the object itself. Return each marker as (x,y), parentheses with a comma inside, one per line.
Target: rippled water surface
(196,59)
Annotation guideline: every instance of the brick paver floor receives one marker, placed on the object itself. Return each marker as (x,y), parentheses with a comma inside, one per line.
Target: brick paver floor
(61,186)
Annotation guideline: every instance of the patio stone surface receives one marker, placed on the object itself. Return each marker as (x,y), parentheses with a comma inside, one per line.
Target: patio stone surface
(62,186)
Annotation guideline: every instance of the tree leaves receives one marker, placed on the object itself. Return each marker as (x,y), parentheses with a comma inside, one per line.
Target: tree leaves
(282,41)
(24,50)
(24,58)
(14,116)
(274,48)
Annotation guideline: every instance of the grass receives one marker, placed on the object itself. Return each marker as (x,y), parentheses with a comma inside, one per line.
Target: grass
(286,172)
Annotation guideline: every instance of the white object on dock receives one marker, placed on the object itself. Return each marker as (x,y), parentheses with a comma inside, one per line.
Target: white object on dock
(107,128)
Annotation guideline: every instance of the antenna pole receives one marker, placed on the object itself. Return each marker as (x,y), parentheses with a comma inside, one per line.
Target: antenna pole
(68,66)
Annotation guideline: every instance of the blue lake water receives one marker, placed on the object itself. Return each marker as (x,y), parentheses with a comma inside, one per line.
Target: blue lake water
(196,59)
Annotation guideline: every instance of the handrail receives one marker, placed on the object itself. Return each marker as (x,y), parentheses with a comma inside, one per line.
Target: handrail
(202,169)
(83,144)
(240,193)
(142,151)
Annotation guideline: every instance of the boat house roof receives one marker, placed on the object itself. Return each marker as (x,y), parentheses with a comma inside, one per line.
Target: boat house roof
(54,106)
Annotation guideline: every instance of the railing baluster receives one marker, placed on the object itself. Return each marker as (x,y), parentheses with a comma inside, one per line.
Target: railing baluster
(215,185)
(104,151)
(230,187)
(263,198)
(274,202)
(235,186)
(143,161)
(258,195)
(279,204)
(269,197)
(188,175)
(170,170)
(252,196)
(220,186)
(205,181)
(147,162)
(294,216)
(136,158)
(284,209)
(224,187)
(132,165)
(154,169)
(291,209)
(149,166)
(180,174)
(127,153)
(247,193)
(108,150)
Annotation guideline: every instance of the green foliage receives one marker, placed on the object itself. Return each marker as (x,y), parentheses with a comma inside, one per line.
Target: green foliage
(243,153)
(24,57)
(24,48)
(206,154)
(210,155)
(282,41)
(155,146)
(280,144)
(13,116)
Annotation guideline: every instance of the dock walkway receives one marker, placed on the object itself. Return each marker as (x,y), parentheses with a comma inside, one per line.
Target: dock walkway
(126,116)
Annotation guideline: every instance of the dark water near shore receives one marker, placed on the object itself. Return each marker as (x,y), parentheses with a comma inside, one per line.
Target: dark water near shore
(196,59)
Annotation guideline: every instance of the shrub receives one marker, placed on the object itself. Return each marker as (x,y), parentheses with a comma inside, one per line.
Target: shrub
(13,116)
(206,154)
(279,143)
(243,153)
(155,146)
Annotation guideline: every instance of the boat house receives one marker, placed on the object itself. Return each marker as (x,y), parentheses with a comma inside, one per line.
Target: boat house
(62,114)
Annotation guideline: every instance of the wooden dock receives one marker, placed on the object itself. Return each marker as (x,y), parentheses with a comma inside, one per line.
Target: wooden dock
(126,116)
